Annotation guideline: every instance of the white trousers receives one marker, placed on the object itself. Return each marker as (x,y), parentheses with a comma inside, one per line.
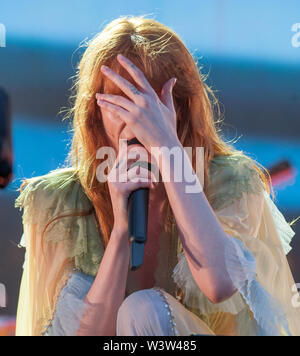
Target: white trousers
(145,312)
(154,312)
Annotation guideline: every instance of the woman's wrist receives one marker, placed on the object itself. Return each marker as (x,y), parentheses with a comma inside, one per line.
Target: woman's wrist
(120,233)
(173,144)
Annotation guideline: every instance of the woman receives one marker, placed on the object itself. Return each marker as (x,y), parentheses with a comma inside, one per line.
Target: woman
(214,260)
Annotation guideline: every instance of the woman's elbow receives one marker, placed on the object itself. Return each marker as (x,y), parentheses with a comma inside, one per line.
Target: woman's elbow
(221,293)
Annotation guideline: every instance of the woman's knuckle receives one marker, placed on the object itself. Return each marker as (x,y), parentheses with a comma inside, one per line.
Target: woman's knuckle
(141,110)
(144,101)
(131,119)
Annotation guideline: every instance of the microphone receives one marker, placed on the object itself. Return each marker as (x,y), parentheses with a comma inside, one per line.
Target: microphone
(137,219)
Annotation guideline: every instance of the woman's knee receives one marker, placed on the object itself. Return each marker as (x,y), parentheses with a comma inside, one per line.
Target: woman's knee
(137,304)
(142,313)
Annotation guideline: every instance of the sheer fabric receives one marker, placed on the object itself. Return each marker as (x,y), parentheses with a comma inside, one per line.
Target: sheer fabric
(147,312)
(67,243)
(258,239)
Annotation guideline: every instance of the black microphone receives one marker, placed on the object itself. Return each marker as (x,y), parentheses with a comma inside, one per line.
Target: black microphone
(138,202)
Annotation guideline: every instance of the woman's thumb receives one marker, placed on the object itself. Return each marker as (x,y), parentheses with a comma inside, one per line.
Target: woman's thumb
(167,90)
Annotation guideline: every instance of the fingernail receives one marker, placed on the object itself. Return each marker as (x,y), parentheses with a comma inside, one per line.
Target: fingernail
(175,80)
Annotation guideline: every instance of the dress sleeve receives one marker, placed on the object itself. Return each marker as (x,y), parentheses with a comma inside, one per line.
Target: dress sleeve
(73,314)
(54,247)
(256,263)
(44,274)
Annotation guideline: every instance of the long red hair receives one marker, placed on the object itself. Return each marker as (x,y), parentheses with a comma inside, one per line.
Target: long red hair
(160,53)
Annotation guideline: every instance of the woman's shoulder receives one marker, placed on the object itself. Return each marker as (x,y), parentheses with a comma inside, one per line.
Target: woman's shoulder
(48,190)
(230,177)
(53,179)
(235,163)
(57,205)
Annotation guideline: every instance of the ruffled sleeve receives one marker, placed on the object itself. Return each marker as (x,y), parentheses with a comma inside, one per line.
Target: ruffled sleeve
(258,239)
(73,314)
(56,242)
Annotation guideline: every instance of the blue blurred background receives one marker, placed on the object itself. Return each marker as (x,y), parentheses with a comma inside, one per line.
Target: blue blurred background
(245,46)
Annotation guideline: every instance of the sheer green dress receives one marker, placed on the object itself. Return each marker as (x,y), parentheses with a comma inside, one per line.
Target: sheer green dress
(266,301)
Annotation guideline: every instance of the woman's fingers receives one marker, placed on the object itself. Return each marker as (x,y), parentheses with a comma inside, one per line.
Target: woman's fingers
(138,173)
(130,90)
(137,96)
(136,74)
(131,186)
(118,112)
(131,166)
(117,100)
(167,94)
(139,177)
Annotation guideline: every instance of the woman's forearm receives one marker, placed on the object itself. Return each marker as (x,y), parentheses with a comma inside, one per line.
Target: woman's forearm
(202,236)
(108,290)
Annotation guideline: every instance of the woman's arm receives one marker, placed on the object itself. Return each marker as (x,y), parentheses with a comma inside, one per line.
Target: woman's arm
(108,290)
(153,121)
(202,236)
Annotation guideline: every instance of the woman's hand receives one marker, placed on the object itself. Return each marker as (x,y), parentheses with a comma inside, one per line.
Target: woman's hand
(151,119)
(122,182)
